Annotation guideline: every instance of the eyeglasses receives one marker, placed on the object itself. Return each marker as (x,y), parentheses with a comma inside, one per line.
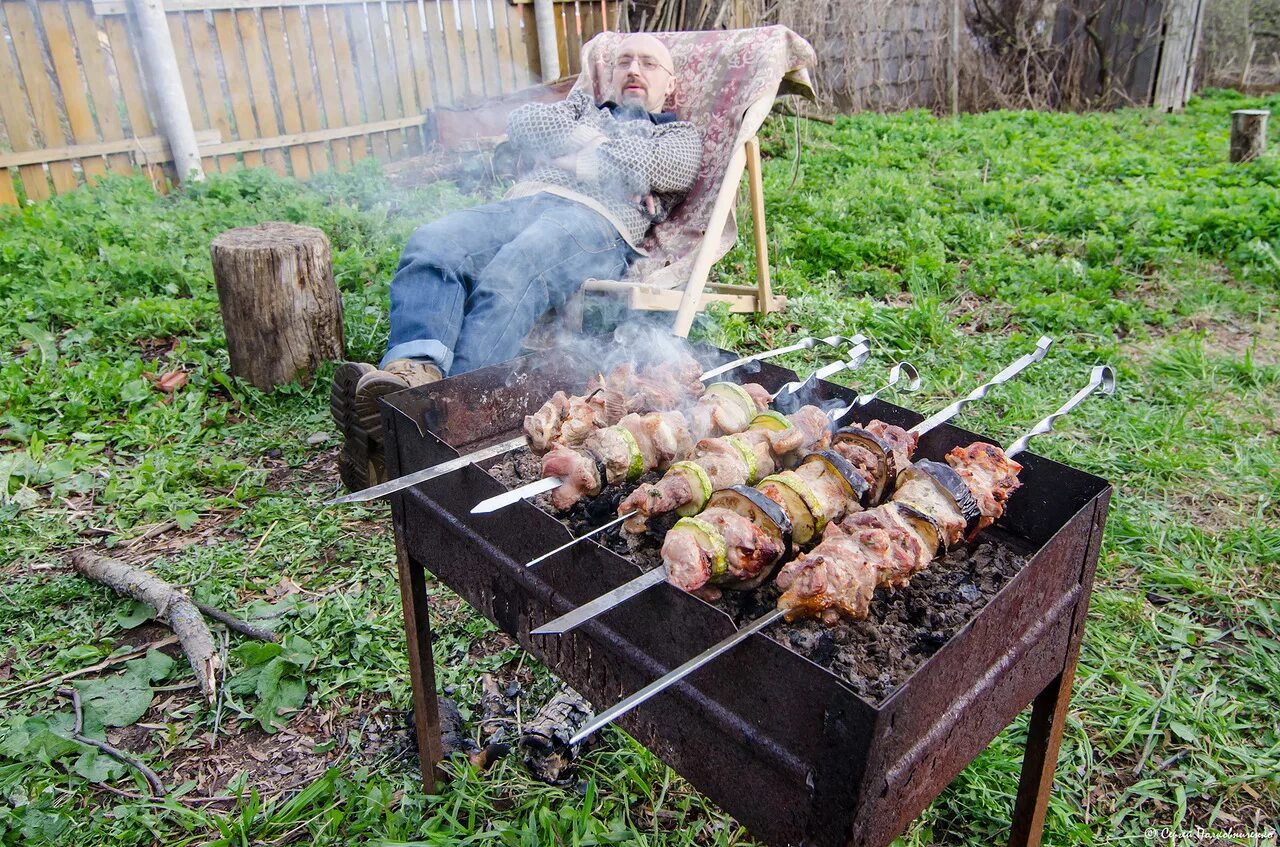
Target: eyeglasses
(648,64)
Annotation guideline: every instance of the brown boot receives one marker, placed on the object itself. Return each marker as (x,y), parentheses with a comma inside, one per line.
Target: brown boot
(353,459)
(414,372)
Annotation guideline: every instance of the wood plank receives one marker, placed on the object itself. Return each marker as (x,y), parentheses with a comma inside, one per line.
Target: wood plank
(519,55)
(471,50)
(421,67)
(299,43)
(347,80)
(39,89)
(286,91)
(233,65)
(447,77)
(561,40)
(385,69)
(573,39)
(355,130)
(367,74)
(406,83)
(327,74)
(486,35)
(186,69)
(453,45)
(8,197)
(120,7)
(205,67)
(149,150)
(502,38)
(261,92)
(130,80)
(95,70)
(18,126)
(530,31)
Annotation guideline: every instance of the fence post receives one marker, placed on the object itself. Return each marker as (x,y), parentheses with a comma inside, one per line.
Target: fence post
(548,47)
(160,64)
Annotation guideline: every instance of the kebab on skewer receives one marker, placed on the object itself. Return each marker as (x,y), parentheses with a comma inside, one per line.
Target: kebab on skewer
(659,441)
(567,419)
(744,532)
(883,546)
(638,443)
(385,489)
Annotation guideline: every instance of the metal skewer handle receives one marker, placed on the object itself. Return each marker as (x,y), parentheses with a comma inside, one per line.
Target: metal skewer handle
(802,344)
(895,376)
(1042,347)
(390,487)
(1101,377)
(611,714)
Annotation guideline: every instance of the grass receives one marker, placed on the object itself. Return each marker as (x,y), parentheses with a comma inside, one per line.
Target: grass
(955,244)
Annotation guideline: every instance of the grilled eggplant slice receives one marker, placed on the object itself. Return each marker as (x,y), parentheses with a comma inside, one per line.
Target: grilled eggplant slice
(757,508)
(855,485)
(930,533)
(885,471)
(802,506)
(945,479)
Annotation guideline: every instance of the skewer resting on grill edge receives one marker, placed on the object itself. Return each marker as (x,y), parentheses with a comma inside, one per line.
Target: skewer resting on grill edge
(627,590)
(1101,377)
(896,374)
(856,359)
(390,487)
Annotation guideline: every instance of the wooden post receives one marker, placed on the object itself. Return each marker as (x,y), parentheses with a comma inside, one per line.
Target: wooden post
(161,66)
(544,15)
(280,307)
(953,63)
(1248,134)
(755,189)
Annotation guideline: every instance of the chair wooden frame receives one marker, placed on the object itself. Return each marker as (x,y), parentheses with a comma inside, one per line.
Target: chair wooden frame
(695,296)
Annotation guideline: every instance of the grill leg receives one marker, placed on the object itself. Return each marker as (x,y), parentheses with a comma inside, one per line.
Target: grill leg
(422,669)
(1049,709)
(1044,736)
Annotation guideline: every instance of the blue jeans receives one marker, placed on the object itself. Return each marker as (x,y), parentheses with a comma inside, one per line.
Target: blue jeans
(471,285)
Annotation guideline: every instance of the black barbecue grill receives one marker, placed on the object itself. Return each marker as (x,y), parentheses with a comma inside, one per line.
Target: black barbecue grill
(784,745)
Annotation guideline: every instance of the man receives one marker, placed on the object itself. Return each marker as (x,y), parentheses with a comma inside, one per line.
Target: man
(470,286)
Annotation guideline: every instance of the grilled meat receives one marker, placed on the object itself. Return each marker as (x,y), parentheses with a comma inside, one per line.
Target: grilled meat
(609,397)
(886,545)
(638,443)
(727,461)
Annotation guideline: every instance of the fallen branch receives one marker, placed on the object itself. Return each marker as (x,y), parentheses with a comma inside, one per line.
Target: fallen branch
(170,604)
(232,622)
(153,779)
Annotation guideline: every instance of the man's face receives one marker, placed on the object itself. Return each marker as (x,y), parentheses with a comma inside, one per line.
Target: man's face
(643,73)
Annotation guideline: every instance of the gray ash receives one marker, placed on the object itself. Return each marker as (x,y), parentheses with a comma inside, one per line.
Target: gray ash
(902,630)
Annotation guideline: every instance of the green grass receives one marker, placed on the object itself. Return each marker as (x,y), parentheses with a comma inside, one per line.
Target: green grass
(953,244)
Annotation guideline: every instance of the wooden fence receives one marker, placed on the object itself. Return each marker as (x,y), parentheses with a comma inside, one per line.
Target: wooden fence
(300,86)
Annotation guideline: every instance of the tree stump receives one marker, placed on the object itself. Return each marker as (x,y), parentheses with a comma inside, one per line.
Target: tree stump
(280,307)
(1248,134)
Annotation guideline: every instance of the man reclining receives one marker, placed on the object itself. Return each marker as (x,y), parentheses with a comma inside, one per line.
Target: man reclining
(470,286)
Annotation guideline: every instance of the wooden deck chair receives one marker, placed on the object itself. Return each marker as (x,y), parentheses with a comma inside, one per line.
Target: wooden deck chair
(726,82)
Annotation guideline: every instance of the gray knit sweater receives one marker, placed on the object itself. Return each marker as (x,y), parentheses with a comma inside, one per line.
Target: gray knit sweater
(638,158)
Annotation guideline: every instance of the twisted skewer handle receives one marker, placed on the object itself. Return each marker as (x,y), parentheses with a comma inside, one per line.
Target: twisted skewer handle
(895,376)
(1102,376)
(1042,347)
(802,344)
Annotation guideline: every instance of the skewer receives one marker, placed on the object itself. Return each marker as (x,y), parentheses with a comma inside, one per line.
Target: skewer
(550,483)
(658,574)
(1101,376)
(390,487)
(627,590)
